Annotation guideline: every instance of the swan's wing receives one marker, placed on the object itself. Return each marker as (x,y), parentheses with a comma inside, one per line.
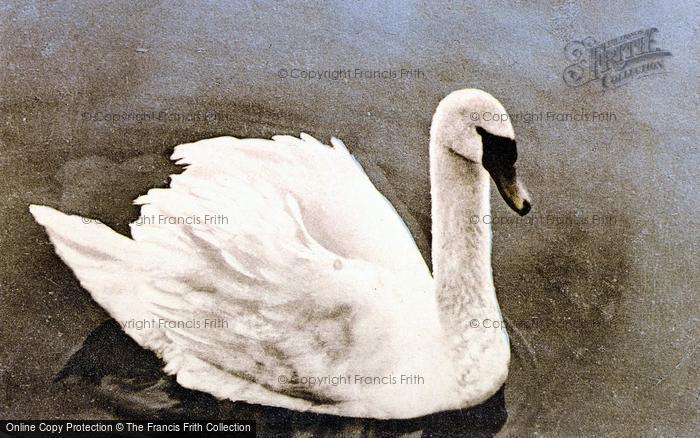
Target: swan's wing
(299,249)
(340,206)
(263,259)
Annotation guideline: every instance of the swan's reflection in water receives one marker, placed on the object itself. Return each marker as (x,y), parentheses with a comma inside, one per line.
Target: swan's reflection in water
(112,375)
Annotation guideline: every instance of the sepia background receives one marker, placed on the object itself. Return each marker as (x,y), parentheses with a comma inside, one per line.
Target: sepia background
(603,313)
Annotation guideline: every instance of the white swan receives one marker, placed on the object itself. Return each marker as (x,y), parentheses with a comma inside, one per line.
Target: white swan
(289,280)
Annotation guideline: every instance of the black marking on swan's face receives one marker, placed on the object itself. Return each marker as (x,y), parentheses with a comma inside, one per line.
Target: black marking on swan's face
(497,151)
(498,158)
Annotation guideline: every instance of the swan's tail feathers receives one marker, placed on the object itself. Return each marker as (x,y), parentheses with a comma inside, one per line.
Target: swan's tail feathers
(100,258)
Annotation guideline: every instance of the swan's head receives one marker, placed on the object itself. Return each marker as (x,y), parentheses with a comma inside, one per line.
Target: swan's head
(474,125)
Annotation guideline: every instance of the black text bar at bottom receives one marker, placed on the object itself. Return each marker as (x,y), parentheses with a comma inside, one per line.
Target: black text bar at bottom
(41,428)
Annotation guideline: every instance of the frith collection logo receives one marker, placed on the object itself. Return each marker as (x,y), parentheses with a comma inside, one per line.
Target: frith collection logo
(614,62)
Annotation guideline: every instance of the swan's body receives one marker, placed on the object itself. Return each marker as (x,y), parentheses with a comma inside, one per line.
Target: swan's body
(273,272)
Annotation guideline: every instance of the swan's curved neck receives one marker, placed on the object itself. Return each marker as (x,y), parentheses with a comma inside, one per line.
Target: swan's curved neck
(461,237)
(462,259)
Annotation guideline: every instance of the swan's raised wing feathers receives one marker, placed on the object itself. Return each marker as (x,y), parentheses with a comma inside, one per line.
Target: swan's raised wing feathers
(341,207)
(263,259)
